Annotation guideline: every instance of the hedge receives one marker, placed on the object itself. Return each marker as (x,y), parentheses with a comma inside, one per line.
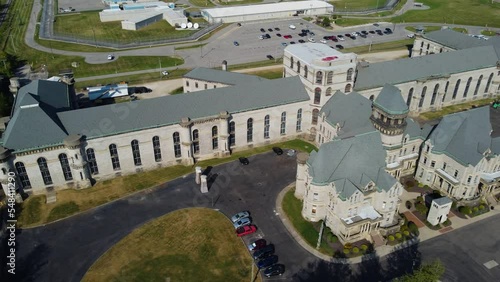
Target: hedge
(390,238)
(465,210)
(413,228)
(355,250)
(347,251)
(406,233)
(364,247)
(398,235)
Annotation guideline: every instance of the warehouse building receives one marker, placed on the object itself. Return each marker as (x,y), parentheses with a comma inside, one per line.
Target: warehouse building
(266,11)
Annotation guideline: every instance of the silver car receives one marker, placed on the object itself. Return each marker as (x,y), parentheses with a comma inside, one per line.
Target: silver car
(242,222)
(239,216)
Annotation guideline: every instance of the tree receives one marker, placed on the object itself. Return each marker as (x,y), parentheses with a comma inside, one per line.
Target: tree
(430,272)
(326,21)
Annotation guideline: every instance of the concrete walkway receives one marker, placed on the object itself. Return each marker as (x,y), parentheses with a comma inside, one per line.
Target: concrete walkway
(425,232)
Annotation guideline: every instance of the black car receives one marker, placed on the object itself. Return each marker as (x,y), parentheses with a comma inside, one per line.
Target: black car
(278,150)
(372,31)
(278,34)
(268,261)
(244,161)
(277,28)
(302,34)
(378,31)
(292,42)
(302,41)
(270,57)
(267,250)
(270,29)
(339,46)
(277,269)
(388,29)
(142,89)
(362,35)
(364,32)
(239,24)
(312,33)
(262,30)
(267,35)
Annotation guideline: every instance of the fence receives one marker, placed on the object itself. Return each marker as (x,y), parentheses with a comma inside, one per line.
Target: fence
(46,31)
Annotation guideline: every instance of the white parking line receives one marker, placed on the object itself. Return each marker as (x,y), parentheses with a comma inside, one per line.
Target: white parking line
(490,264)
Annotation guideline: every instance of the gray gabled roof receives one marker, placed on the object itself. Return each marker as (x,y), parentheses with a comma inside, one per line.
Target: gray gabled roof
(423,67)
(391,101)
(52,93)
(442,201)
(457,40)
(413,129)
(464,136)
(350,111)
(225,77)
(25,130)
(352,161)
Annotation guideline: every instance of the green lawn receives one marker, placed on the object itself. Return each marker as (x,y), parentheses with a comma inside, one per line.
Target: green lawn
(269,74)
(196,244)
(426,28)
(460,29)
(342,5)
(387,46)
(293,209)
(466,12)
(453,109)
(488,33)
(202,3)
(238,2)
(88,25)
(176,91)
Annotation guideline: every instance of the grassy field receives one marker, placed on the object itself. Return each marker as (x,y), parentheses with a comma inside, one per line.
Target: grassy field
(427,28)
(176,91)
(453,109)
(238,2)
(460,29)
(387,46)
(293,209)
(202,3)
(113,189)
(174,247)
(466,12)
(87,25)
(269,74)
(342,5)
(488,33)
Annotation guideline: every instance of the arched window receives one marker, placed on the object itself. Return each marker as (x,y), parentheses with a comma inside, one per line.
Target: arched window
(4,171)
(283,123)
(467,86)
(215,138)
(298,67)
(349,74)
(410,96)
(488,83)
(422,97)
(291,62)
(478,84)
(44,170)
(317,95)
(329,77)
(94,169)
(136,153)
(455,91)
(305,71)
(434,94)
(445,90)
(23,175)
(63,159)
(177,144)
(196,141)
(249,130)
(328,91)
(115,160)
(157,148)
(266,127)
(319,77)
(298,126)
(315,114)
(232,134)
(347,88)
(372,97)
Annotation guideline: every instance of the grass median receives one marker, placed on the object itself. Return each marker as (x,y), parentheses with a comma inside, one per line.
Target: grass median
(454,109)
(381,47)
(72,201)
(187,245)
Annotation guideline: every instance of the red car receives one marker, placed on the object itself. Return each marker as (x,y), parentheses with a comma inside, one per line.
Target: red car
(287,36)
(245,230)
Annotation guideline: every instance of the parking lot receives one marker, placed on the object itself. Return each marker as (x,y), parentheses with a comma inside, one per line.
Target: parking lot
(78,5)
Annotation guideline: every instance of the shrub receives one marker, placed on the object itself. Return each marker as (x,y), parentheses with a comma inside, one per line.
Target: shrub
(390,238)
(332,238)
(421,208)
(348,246)
(447,222)
(454,205)
(355,250)
(420,199)
(408,205)
(413,228)
(481,207)
(347,251)
(410,184)
(364,247)
(406,233)
(398,235)
(464,210)
(404,228)
(436,192)
(475,209)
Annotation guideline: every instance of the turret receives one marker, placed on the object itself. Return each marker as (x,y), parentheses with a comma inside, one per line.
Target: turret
(300,184)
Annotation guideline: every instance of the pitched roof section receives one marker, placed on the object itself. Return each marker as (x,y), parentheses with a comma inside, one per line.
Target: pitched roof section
(413,129)
(224,77)
(52,93)
(435,65)
(355,161)
(350,111)
(391,101)
(464,136)
(455,39)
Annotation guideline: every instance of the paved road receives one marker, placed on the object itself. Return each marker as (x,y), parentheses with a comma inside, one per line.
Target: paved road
(63,251)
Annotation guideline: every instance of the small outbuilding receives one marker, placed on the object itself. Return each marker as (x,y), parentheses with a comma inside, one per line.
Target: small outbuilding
(439,210)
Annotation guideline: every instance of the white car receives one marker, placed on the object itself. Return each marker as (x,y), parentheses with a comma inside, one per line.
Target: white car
(164,72)
(242,222)
(323,41)
(411,35)
(311,40)
(341,38)
(292,26)
(111,57)
(239,216)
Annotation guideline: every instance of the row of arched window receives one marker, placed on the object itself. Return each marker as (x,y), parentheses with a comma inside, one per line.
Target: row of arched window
(319,74)
(455,90)
(328,92)
(44,171)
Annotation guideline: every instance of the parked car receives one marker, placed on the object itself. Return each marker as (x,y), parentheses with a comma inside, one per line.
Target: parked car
(270,57)
(339,46)
(265,251)
(302,41)
(244,161)
(302,34)
(283,44)
(277,28)
(267,35)
(277,269)
(278,150)
(164,72)
(288,36)
(411,35)
(111,57)
(257,245)
(371,31)
(311,40)
(292,26)
(268,261)
(245,230)
(239,24)
(292,42)
(323,41)
(262,30)
(364,32)
(236,43)
(278,34)
(312,33)
(239,216)
(270,29)
(242,222)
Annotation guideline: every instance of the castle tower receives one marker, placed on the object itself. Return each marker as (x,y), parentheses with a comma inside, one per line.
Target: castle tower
(81,176)
(300,184)
(389,112)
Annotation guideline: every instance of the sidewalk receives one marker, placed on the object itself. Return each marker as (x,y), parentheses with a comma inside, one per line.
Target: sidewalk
(425,232)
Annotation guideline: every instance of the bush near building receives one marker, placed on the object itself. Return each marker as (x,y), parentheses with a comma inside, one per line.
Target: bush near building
(413,228)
